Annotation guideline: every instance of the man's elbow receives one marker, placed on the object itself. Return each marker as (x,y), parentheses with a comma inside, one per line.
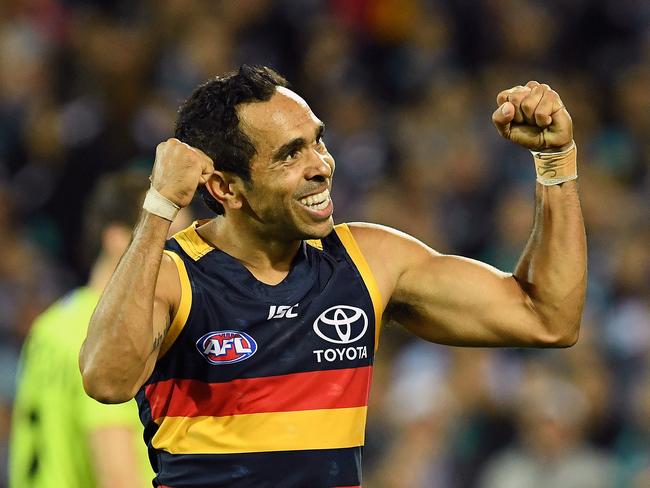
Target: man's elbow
(97,384)
(567,340)
(102,389)
(104,392)
(566,337)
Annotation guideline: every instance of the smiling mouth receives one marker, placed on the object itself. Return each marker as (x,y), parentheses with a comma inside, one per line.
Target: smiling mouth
(320,201)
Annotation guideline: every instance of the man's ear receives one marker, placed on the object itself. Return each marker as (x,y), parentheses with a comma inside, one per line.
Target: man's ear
(226,189)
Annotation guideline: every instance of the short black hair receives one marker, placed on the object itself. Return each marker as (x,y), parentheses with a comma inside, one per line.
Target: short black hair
(116,199)
(208,120)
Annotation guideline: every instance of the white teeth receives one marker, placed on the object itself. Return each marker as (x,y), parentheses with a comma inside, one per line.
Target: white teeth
(321,206)
(318,201)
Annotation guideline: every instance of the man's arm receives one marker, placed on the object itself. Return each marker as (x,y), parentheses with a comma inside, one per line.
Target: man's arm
(133,314)
(115,458)
(132,317)
(459,301)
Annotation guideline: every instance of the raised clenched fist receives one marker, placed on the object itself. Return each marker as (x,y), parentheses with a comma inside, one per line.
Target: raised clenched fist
(178,170)
(534,117)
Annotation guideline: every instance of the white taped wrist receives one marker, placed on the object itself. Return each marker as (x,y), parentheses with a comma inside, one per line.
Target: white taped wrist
(553,168)
(157,204)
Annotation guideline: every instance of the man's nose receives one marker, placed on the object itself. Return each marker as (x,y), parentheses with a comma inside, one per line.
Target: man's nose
(319,167)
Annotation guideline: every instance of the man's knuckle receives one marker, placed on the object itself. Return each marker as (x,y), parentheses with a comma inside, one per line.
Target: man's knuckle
(538,90)
(518,97)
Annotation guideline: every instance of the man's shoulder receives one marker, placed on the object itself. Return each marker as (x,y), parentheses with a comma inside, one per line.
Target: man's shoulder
(354,236)
(379,240)
(389,252)
(363,230)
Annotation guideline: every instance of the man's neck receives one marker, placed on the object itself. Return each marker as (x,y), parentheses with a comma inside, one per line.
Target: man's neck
(268,259)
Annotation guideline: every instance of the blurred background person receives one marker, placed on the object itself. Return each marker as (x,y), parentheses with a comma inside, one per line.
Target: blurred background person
(633,444)
(59,436)
(404,87)
(551,449)
(421,408)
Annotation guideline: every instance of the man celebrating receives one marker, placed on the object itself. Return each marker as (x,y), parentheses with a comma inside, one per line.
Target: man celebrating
(249,341)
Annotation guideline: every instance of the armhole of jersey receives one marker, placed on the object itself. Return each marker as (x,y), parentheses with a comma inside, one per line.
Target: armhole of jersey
(347,239)
(184,306)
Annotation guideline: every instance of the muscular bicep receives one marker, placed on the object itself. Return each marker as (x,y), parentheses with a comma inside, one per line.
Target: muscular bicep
(459,301)
(166,302)
(448,299)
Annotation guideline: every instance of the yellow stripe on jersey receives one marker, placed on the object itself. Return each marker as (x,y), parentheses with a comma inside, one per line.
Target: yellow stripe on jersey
(344,233)
(184,306)
(192,243)
(262,432)
(317,243)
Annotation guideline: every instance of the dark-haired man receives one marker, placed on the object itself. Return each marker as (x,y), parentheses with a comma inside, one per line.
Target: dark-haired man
(249,341)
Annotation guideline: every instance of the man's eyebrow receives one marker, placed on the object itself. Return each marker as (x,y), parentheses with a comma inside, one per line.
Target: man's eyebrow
(296,144)
(288,148)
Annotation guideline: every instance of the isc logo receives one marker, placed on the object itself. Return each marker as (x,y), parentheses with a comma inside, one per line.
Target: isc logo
(226,346)
(282,311)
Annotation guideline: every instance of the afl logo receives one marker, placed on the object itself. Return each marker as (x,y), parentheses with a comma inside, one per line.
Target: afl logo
(226,346)
(341,324)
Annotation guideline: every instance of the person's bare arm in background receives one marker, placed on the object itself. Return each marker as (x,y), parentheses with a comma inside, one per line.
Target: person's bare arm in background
(115,458)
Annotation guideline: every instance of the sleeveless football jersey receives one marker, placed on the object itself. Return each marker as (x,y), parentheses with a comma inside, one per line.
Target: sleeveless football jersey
(264,386)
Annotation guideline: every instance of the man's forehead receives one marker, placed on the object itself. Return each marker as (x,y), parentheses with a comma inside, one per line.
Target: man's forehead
(281,90)
(275,119)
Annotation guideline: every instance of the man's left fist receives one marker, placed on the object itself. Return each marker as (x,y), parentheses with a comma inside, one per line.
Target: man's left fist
(533,116)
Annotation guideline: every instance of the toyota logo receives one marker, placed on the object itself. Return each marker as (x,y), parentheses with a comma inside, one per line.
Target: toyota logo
(341,324)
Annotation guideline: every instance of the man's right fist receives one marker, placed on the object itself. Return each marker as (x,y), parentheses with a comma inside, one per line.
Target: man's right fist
(533,116)
(178,170)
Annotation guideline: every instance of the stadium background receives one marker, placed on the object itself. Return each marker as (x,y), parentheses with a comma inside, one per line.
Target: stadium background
(406,89)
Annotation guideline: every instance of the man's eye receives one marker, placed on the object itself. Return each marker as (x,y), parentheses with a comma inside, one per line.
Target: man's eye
(292,155)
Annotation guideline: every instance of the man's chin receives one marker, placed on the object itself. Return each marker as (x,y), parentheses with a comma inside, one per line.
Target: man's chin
(318,231)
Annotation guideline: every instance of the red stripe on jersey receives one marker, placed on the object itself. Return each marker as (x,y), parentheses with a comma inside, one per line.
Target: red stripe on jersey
(340,388)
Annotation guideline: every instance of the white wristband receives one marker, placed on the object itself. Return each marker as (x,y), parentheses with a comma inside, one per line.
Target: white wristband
(553,168)
(158,205)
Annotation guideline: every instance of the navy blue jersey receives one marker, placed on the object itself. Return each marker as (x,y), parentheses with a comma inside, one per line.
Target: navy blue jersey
(259,385)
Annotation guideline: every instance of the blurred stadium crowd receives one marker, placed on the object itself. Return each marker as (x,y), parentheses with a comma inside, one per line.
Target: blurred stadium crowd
(406,89)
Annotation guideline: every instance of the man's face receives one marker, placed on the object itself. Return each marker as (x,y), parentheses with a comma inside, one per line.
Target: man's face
(292,171)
